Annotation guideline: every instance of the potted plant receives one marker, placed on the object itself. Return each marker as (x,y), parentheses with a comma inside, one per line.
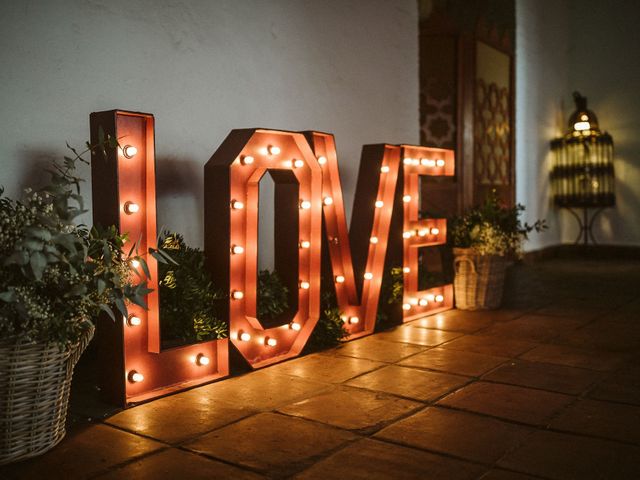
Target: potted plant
(484,240)
(55,278)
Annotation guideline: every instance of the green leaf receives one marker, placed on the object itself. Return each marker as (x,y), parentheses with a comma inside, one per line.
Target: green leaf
(38,263)
(107,309)
(8,296)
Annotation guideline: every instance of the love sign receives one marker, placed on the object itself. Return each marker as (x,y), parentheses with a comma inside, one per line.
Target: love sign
(304,167)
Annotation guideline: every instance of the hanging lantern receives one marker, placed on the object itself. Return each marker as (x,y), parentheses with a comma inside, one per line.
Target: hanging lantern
(582,169)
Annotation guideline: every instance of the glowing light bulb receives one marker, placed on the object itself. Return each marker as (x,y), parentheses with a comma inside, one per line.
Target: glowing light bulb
(407,234)
(287,164)
(298,163)
(237,249)
(246,159)
(406,198)
(339,279)
(244,336)
(373,240)
(424,161)
(344,318)
(406,269)
(135,263)
(295,326)
(328,201)
(237,295)
(406,306)
(407,161)
(133,321)
(413,301)
(270,341)
(379,204)
(435,231)
(439,298)
(423,232)
(129,151)
(384,169)
(304,285)
(423,302)
(354,320)
(322,160)
(202,360)
(273,150)
(237,205)
(584,117)
(368,275)
(135,376)
(131,207)
(305,204)
(431,163)
(415,161)
(431,297)
(440,163)
(304,244)
(580,126)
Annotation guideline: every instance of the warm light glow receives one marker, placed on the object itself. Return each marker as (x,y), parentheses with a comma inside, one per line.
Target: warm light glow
(415,161)
(131,207)
(373,240)
(295,326)
(202,360)
(237,295)
(584,117)
(435,231)
(384,169)
(237,205)
(423,232)
(406,269)
(135,263)
(270,341)
(246,160)
(353,320)
(407,161)
(304,285)
(406,198)
(407,234)
(244,336)
(237,249)
(129,151)
(322,160)
(339,279)
(379,204)
(439,298)
(424,161)
(305,244)
(273,150)
(440,163)
(328,201)
(581,126)
(133,321)
(287,164)
(430,297)
(135,376)
(406,306)
(413,301)
(305,204)
(423,302)
(368,275)
(298,163)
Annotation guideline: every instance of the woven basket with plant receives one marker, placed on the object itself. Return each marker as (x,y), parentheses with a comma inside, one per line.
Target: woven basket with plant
(485,240)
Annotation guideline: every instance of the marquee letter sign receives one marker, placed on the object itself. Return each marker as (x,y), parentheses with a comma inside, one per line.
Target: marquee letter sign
(304,167)
(124,194)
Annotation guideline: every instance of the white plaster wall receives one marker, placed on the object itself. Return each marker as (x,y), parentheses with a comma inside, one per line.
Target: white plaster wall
(204,68)
(604,65)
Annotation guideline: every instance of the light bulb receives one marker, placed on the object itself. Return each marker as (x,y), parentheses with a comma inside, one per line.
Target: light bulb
(246,159)
(415,161)
(384,169)
(135,376)
(435,231)
(273,150)
(270,341)
(202,360)
(406,269)
(407,161)
(305,204)
(328,201)
(379,204)
(237,249)
(406,306)
(439,298)
(430,297)
(131,207)
(431,163)
(295,326)
(368,275)
(424,161)
(244,336)
(344,318)
(287,164)
(237,205)
(423,302)
(305,244)
(133,321)
(129,151)
(373,240)
(322,160)
(413,301)
(353,320)
(304,285)
(406,198)
(339,279)
(407,234)
(237,295)
(423,232)
(135,263)
(298,163)
(440,163)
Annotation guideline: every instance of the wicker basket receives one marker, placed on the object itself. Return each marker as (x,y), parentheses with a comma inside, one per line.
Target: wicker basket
(479,279)
(35,381)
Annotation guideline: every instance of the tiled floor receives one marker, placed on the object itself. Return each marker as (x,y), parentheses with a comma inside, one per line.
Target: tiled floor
(547,387)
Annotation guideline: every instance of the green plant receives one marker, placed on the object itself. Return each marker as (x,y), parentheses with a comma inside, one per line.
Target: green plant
(190,304)
(330,329)
(56,276)
(492,229)
(272,295)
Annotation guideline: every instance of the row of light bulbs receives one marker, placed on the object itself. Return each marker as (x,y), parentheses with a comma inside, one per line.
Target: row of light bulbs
(422,232)
(201,360)
(425,162)
(423,302)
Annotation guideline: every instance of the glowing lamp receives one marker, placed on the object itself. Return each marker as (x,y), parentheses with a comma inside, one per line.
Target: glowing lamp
(407,161)
(327,201)
(237,295)
(305,244)
(379,204)
(373,240)
(131,208)
(295,326)
(133,321)
(406,306)
(384,169)
(423,302)
(423,232)
(354,320)
(135,376)
(273,150)
(424,162)
(435,231)
(237,249)
(407,234)
(322,160)
(440,163)
(305,204)
(415,162)
(582,173)
(413,301)
(368,275)
(237,205)
(406,198)
(406,269)
(244,336)
(135,263)
(439,298)
(202,360)
(287,164)
(270,342)
(431,297)
(298,163)
(246,160)
(339,278)
(304,285)
(129,151)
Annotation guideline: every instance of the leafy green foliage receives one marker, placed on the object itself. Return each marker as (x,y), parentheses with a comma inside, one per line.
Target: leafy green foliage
(272,295)
(492,228)
(190,304)
(330,329)
(56,276)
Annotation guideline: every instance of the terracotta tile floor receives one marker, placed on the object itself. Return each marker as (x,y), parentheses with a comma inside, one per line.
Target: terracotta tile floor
(546,387)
